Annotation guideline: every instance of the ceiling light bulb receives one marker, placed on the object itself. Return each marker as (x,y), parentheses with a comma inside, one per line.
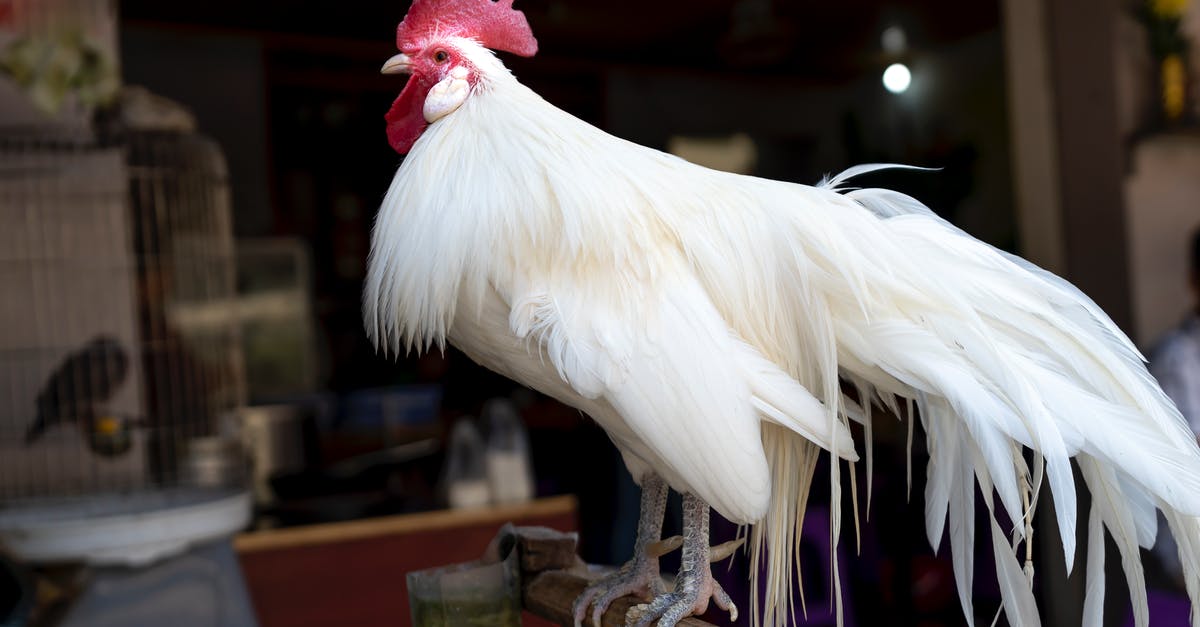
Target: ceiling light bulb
(897,78)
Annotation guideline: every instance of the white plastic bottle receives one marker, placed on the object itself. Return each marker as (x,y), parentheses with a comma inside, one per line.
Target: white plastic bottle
(509,470)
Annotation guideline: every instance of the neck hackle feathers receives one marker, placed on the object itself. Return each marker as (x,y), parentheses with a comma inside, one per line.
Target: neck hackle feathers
(494,23)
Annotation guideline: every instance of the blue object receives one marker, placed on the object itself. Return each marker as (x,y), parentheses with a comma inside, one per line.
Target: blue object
(200,588)
(407,405)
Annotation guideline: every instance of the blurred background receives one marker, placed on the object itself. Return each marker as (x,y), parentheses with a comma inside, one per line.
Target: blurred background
(194,427)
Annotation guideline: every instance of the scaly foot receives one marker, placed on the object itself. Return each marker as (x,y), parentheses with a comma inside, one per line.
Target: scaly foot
(640,575)
(694,586)
(691,596)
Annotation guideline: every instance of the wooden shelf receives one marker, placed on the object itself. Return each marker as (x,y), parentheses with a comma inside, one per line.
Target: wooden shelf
(353,573)
(279,539)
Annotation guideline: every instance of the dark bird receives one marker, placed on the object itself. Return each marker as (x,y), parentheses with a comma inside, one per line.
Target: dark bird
(82,382)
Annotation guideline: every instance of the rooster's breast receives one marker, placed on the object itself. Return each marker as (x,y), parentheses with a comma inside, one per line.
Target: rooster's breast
(481,331)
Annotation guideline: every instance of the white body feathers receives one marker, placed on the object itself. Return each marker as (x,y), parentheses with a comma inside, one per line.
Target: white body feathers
(704,318)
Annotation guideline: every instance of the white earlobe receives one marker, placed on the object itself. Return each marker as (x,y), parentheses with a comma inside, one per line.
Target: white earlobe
(447,96)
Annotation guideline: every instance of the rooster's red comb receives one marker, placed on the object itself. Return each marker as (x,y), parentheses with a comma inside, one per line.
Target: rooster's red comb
(493,22)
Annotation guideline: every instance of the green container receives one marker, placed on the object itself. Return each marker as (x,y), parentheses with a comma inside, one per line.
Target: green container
(476,593)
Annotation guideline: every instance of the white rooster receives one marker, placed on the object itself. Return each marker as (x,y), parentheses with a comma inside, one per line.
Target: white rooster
(704,320)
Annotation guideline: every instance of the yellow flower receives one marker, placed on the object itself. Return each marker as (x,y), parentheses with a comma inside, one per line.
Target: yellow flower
(108,426)
(1174,86)
(1169,8)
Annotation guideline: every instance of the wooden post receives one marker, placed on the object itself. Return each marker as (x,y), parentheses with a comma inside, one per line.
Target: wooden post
(1091,163)
(1066,144)
(553,576)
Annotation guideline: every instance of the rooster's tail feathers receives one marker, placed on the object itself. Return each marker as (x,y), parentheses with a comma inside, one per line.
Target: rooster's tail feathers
(999,355)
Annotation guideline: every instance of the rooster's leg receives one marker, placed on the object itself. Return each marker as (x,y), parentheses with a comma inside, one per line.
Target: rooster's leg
(694,586)
(640,575)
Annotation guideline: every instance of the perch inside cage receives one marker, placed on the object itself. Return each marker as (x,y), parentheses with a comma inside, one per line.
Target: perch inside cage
(115,436)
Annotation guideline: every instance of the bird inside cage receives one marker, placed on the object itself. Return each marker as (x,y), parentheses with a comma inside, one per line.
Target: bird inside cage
(77,394)
(120,339)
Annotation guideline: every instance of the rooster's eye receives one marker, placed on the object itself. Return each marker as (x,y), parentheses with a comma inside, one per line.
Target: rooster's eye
(441,56)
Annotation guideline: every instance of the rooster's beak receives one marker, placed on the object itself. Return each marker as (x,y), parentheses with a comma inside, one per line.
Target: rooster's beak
(399,64)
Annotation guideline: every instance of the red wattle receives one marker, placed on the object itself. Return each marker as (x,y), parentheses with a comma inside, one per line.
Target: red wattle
(406,118)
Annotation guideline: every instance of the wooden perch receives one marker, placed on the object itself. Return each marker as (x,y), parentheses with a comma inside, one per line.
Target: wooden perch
(551,593)
(552,576)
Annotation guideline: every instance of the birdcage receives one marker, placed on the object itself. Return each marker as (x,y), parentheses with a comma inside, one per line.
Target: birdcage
(120,350)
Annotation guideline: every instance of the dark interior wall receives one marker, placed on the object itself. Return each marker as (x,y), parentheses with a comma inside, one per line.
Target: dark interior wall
(649,106)
(961,116)
(220,78)
(954,117)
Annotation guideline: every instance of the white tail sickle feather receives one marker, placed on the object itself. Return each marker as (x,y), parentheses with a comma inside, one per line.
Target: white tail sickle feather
(1126,478)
